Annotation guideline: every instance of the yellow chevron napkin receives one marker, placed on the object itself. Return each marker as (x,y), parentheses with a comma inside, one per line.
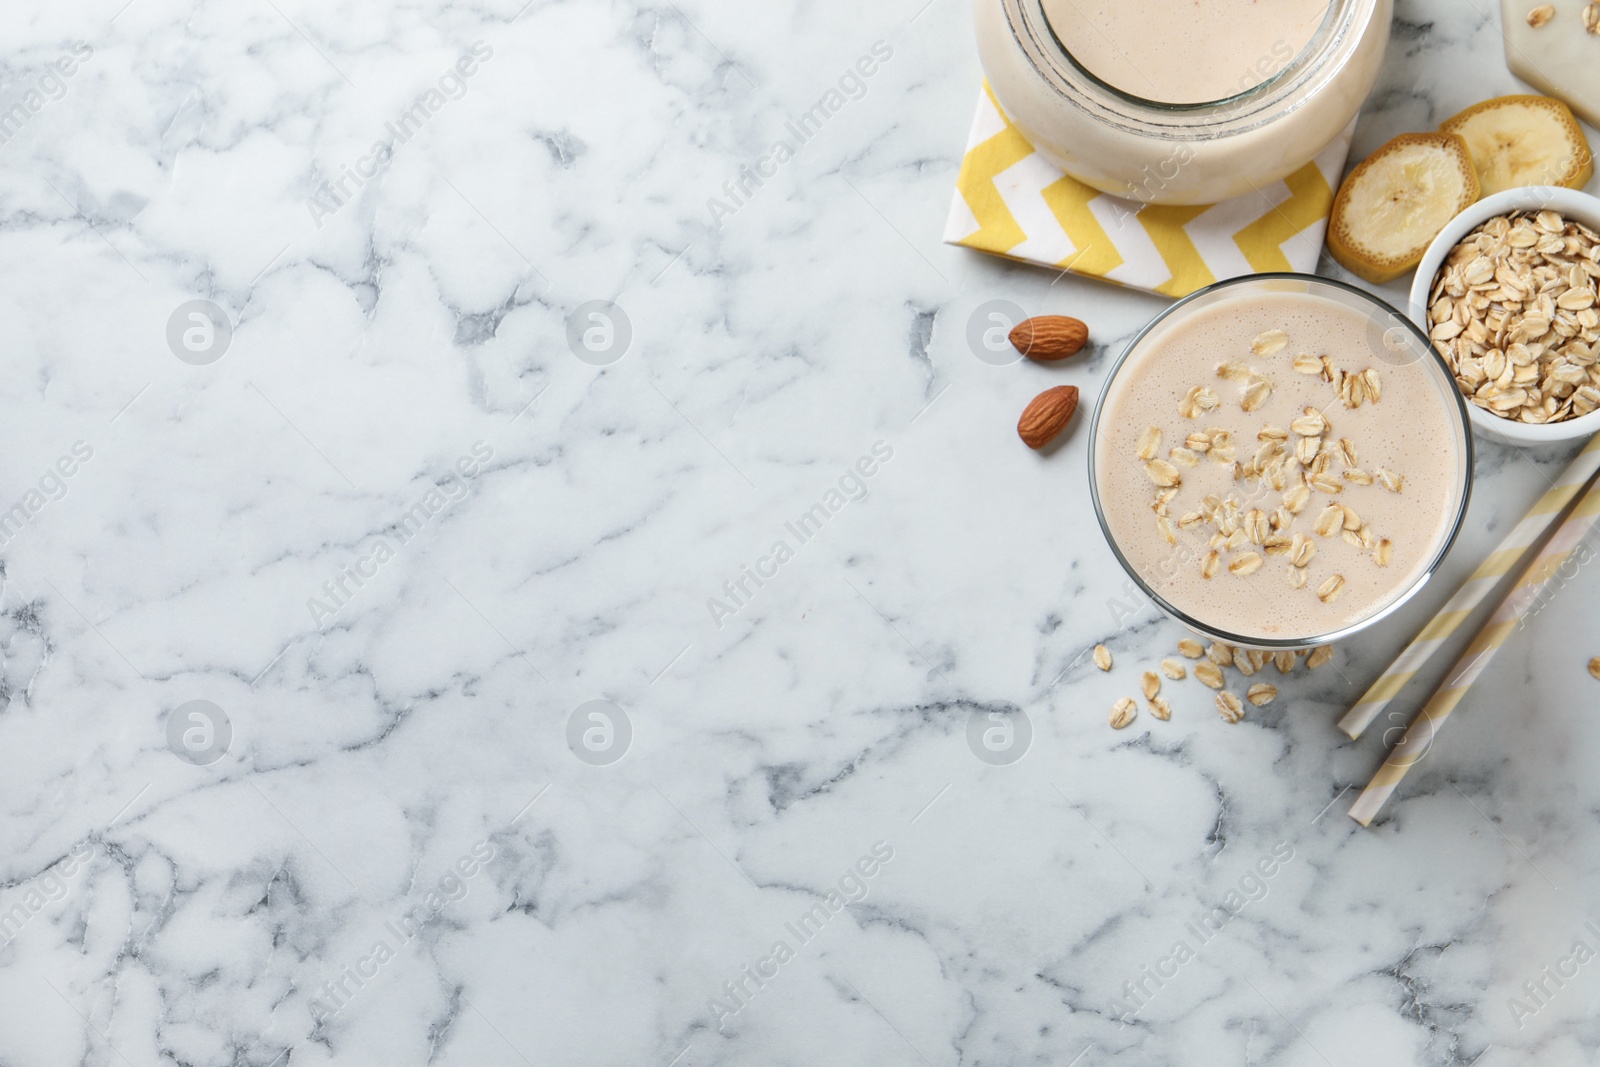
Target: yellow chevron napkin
(1011,202)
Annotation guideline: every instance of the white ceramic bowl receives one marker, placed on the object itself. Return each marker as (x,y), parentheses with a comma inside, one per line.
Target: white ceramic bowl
(1575,206)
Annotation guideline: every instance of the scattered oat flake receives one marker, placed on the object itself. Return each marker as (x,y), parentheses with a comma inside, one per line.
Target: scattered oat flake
(1197,400)
(1319,655)
(1256,394)
(1174,669)
(1150,684)
(1248,563)
(1270,343)
(1541,15)
(1594,666)
(1220,654)
(1163,474)
(1229,706)
(1160,708)
(1208,674)
(1284,661)
(1191,648)
(1102,657)
(1150,443)
(1261,694)
(1302,550)
(1123,712)
(1311,424)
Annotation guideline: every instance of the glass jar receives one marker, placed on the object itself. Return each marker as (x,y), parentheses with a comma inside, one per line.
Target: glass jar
(1164,153)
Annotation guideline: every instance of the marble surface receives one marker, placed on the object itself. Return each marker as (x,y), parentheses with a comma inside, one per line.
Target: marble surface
(395,534)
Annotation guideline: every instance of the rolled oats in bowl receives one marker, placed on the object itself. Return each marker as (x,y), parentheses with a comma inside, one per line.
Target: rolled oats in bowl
(1513,312)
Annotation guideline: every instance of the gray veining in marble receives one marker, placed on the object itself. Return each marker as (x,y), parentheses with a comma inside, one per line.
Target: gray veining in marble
(401,538)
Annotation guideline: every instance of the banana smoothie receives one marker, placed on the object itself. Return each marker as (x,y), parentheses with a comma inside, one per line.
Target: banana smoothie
(1184,51)
(1269,474)
(1181,101)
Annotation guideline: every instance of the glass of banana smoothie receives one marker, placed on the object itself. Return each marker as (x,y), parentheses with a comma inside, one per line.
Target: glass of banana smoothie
(1280,461)
(1179,102)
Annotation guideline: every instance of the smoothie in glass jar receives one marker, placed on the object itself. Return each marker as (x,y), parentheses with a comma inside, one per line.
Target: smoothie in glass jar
(1181,101)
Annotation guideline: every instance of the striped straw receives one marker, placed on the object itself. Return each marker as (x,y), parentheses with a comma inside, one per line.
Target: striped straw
(1541,580)
(1500,563)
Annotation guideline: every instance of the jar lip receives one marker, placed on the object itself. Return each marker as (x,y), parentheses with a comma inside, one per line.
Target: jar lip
(1322,42)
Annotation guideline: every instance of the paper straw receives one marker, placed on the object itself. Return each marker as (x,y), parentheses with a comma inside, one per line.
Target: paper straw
(1500,563)
(1544,574)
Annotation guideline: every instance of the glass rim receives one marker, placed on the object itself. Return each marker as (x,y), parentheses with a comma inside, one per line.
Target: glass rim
(1462,422)
(1319,40)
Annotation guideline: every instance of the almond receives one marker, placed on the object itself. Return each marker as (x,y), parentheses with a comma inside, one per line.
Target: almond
(1049,337)
(1047,415)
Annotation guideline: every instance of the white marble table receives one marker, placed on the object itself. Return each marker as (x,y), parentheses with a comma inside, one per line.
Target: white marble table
(399,536)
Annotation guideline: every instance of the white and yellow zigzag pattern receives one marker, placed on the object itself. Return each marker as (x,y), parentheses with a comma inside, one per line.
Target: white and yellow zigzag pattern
(1011,202)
